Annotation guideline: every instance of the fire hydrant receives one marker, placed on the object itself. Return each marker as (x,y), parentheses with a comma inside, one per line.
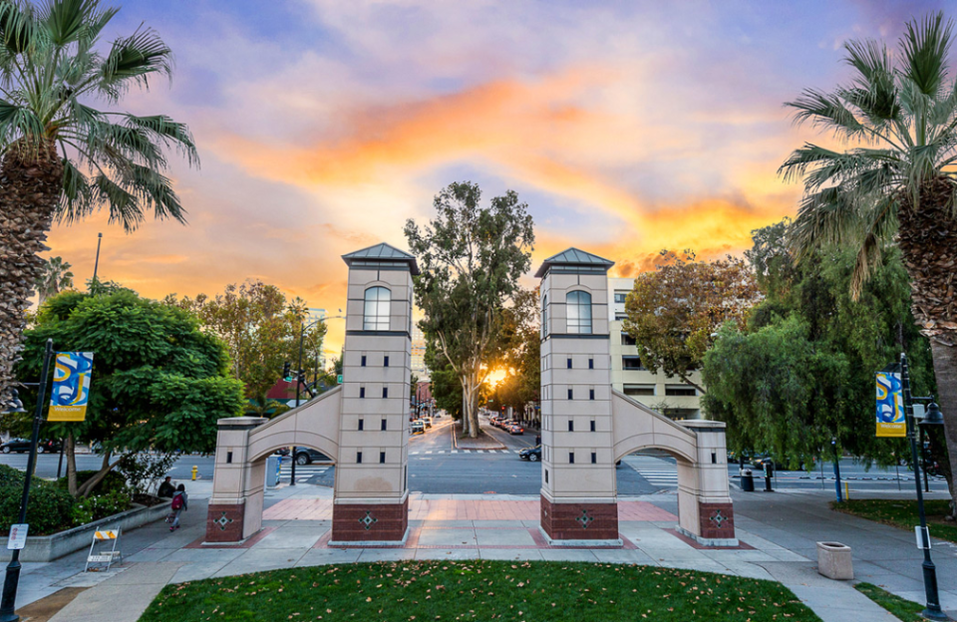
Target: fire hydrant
(195,470)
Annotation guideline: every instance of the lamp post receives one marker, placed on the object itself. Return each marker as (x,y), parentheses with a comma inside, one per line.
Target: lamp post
(12,579)
(932,610)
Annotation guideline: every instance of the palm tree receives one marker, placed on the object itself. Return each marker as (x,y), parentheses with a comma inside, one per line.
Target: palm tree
(55,276)
(63,159)
(895,181)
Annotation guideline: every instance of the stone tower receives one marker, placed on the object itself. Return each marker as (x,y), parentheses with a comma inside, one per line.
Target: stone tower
(579,499)
(371,491)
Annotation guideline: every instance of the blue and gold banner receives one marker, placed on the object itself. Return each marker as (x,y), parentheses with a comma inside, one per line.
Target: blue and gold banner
(890,403)
(71,386)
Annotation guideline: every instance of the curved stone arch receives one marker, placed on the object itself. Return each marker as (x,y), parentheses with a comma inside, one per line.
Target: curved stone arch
(314,424)
(639,427)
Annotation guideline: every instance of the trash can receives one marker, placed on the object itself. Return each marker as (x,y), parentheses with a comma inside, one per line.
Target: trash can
(272,471)
(834,561)
(747,481)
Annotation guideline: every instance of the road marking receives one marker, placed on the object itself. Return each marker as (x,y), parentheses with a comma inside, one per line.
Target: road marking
(428,452)
(441,451)
(413,453)
(454,451)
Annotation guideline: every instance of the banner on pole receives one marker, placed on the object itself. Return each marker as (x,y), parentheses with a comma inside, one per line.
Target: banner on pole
(890,403)
(71,386)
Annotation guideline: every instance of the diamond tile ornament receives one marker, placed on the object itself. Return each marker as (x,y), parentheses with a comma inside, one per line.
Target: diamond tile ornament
(718,518)
(222,521)
(368,520)
(585,519)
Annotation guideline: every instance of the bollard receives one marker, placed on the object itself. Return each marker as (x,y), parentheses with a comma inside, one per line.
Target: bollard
(195,470)
(847,490)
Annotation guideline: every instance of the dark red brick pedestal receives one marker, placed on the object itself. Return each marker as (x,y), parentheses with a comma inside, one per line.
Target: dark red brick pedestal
(580,521)
(370,523)
(224,523)
(716,521)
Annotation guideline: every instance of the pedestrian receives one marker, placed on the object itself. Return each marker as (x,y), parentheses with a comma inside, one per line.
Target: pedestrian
(538,439)
(166,489)
(178,504)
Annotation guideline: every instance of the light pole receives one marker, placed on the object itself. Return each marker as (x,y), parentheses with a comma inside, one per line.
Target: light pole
(12,579)
(932,610)
(96,263)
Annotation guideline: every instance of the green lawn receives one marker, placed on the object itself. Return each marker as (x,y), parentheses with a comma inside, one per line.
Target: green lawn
(479,590)
(905,610)
(903,514)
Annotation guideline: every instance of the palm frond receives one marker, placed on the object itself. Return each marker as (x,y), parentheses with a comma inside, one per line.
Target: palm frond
(134,59)
(16,122)
(18,28)
(171,133)
(829,216)
(880,228)
(827,111)
(122,203)
(874,93)
(77,200)
(925,47)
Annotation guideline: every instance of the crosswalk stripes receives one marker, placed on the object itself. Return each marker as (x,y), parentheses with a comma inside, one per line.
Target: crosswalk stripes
(303,472)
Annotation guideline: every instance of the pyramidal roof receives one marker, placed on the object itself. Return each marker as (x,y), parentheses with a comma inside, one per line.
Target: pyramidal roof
(382,253)
(574,257)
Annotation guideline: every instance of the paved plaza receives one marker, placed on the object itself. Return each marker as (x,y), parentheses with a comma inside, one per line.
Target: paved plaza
(777,531)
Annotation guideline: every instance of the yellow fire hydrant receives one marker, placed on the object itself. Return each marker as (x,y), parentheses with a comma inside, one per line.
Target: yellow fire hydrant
(195,470)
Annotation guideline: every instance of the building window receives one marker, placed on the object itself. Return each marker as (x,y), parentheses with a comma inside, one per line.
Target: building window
(591,394)
(377,303)
(627,340)
(594,458)
(544,316)
(381,457)
(680,390)
(620,317)
(362,424)
(571,457)
(385,362)
(569,363)
(358,457)
(383,425)
(362,392)
(363,363)
(571,394)
(578,309)
(571,425)
(592,425)
(546,476)
(385,391)
(630,361)
(620,297)
(591,363)
(639,389)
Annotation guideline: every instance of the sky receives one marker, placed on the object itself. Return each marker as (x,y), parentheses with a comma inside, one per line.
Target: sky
(323,125)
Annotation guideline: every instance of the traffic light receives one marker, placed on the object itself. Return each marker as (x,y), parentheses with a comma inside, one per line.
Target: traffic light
(302,377)
(287,371)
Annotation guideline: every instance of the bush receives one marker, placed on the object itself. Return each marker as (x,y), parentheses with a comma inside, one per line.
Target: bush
(49,510)
(113,482)
(10,476)
(100,506)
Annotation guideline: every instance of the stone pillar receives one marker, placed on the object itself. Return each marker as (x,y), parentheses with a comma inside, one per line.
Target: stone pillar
(371,493)
(705,511)
(578,497)
(235,509)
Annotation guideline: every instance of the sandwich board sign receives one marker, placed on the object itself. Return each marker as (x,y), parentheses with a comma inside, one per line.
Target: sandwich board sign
(108,539)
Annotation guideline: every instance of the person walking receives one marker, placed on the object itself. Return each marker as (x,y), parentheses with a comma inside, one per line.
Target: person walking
(178,504)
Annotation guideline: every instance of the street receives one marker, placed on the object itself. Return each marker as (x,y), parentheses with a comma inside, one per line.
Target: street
(437,466)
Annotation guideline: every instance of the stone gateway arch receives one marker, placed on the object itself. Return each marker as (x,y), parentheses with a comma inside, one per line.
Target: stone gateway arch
(363,424)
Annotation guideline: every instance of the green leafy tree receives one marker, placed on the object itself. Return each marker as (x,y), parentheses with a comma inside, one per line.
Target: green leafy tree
(520,353)
(56,277)
(470,259)
(895,180)
(802,371)
(261,329)
(63,159)
(158,381)
(674,312)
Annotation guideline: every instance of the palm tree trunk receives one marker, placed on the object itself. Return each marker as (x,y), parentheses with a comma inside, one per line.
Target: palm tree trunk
(945,368)
(30,184)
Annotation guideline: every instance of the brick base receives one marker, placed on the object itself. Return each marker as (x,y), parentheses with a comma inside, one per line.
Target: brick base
(580,521)
(224,523)
(370,523)
(716,521)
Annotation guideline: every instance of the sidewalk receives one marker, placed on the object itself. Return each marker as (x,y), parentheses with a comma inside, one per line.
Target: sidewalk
(778,532)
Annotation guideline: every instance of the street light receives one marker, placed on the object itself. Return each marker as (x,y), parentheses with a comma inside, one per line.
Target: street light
(932,610)
(12,579)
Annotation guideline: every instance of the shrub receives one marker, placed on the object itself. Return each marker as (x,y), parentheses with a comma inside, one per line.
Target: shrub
(10,476)
(49,510)
(112,482)
(100,506)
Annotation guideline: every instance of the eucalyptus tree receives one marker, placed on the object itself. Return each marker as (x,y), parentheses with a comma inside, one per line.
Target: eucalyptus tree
(63,159)
(470,258)
(892,181)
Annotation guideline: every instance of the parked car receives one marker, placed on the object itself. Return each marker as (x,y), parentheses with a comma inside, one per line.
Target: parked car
(427,421)
(532,454)
(22,445)
(515,429)
(307,455)
(418,427)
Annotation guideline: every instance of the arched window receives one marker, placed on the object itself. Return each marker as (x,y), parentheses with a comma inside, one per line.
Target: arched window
(544,315)
(376,313)
(578,310)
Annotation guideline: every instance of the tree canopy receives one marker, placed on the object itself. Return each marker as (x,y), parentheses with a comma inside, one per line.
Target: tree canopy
(470,258)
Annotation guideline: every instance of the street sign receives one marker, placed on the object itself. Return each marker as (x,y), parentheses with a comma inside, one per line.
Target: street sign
(18,537)
(923,537)
(339,379)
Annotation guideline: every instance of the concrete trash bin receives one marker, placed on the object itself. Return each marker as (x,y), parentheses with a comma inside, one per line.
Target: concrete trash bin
(834,561)
(272,471)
